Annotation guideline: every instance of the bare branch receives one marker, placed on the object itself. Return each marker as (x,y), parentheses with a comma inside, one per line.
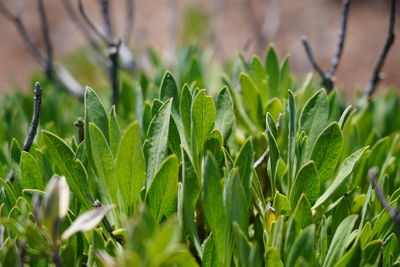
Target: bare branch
(265,155)
(340,40)
(105,12)
(91,25)
(81,26)
(113,52)
(376,74)
(79,124)
(46,37)
(35,118)
(17,21)
(393,212)
(327,78)
(33,126)
(311,58)
(129,4)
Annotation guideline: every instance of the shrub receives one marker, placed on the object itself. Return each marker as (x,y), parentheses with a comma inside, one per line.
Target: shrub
(175,175)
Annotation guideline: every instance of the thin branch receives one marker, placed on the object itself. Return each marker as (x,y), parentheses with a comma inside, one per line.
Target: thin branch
(35,118)
(33,126)
(81,27)
(129,4)
(311,58)
(97,204)
(265,155)
(91,25)
(46,37)
(341,38)
(376,74)
(105,12)
(79,124)
(113,52)
(327,78)
(17,21)
(393,212)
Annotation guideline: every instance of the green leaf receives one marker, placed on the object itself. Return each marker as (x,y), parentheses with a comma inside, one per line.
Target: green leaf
(281,204)
(259,76)
(337,246)
(169,90)
(291,136)
(244,163)
(237,202)
(130,167)
(273,151)
(313,118)
(95,113)
(214,210)
(209,258)
(66,165)
(302,248)
(251,97)
(203,118)
(272,67)
(225,116)
(285,78)
(161,196)
(115,131)
(157,144)
(307,182)
(103,161)
(327,150)
(273,257)
(191,192)
(371,254)
(31,174)
(184,107)
(344,172)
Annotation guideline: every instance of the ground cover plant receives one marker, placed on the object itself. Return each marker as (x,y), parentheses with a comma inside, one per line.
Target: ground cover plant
(259,169)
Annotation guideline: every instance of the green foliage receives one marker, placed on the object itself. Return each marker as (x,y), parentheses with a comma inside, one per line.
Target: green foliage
(267,171)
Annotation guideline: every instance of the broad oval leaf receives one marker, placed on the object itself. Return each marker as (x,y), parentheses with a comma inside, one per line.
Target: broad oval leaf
(225,117)
(313,118)
(130,167)
(307,182)
(157,142)
(161,196)
(73,170)
(327,150)
(31,174)
(203,118)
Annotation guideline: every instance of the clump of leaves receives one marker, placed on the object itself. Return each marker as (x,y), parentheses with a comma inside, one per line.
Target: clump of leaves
(267,171)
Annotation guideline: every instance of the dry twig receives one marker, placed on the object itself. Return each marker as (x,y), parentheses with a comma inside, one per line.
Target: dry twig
(376,74)
(33,126)
(328,78)
(393,212)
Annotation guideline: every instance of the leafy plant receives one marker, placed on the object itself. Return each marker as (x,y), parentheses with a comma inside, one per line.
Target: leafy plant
(254,174)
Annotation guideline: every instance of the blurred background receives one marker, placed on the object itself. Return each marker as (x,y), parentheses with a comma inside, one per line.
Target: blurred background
(221,26)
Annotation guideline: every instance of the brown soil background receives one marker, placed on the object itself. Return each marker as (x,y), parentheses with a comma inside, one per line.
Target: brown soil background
(285,21)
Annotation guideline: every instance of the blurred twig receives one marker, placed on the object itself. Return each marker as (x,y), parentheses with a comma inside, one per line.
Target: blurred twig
(54,72)
(376,74)
(33,126)
(251,17)
(328,78)
(113,45)
(129,4)
(393,212)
